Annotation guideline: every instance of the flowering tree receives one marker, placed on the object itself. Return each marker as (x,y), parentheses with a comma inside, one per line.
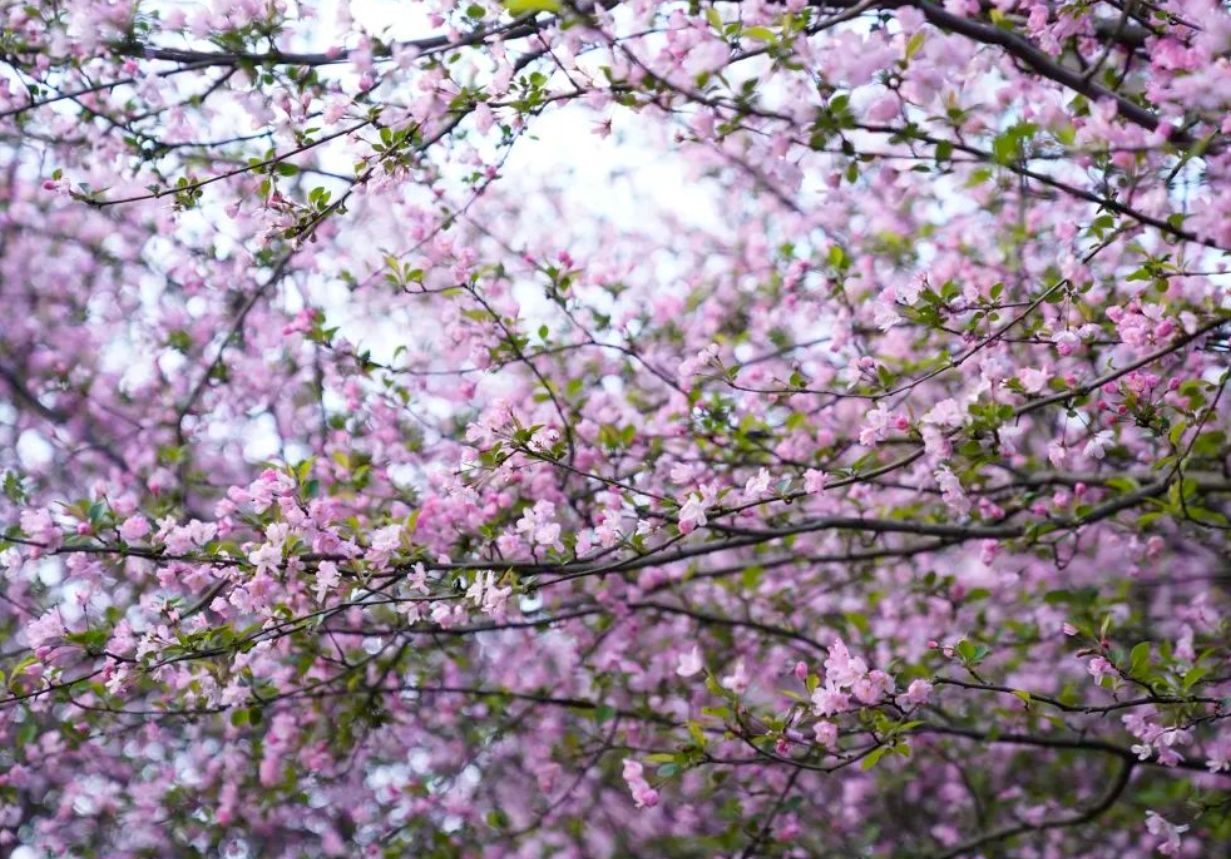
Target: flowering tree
(368,494)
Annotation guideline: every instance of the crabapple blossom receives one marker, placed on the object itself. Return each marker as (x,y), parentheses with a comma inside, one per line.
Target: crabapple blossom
(690,663)
(528,428)
(643,795)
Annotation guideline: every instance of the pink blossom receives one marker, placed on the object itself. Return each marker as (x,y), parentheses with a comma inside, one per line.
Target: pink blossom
(1099,668)
(690,663)
(917,693)
(814,481)
(1168,833)
(828,700)
(1096,447)
(952,491)
(1033,380)
(39,525)
(737,681)
(644,796)
(327,578)
(826,734)
(134,528)
(47,628)
(692,513)
(757,485)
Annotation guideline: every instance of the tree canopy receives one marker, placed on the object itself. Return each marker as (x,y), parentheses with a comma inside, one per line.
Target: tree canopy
(839,467)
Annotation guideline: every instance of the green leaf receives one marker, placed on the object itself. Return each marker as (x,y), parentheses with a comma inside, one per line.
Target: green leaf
(1177,432)
(873,758)
(837,257)
(859,621)
(915,43)
(967,650)
(1139,657)
(698,735)
(13,488)
(1193,675)
(1209,444)
(978,177)
(523,7)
